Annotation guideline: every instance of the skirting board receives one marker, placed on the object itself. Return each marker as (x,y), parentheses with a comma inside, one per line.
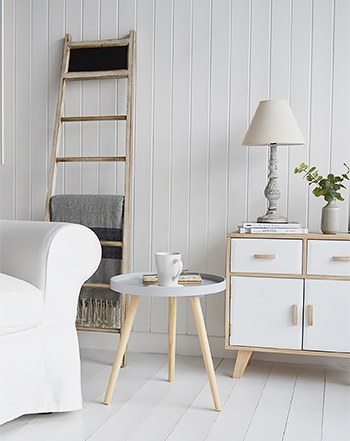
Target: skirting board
(189,345)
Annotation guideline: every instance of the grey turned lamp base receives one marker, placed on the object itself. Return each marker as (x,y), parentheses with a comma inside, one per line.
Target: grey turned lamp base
(273,218)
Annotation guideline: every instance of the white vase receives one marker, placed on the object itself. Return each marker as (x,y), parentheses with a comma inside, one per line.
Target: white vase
(330,220)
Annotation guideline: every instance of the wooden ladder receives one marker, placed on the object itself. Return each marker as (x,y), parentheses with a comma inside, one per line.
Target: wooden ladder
(98,60)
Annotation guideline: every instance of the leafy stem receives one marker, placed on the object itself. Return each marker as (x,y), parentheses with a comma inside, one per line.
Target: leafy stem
(328,187)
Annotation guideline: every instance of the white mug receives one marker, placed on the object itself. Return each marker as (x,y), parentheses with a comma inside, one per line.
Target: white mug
(169,267)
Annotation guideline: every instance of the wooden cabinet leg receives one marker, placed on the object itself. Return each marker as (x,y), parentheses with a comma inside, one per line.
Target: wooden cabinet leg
(242,360)
(250,358)
(124,338)
(172,337)
(203,339)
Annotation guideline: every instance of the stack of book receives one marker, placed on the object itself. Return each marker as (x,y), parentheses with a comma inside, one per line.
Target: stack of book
(184,277)
(269,228)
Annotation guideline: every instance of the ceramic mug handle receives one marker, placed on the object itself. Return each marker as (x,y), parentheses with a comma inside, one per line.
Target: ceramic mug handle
(179,261)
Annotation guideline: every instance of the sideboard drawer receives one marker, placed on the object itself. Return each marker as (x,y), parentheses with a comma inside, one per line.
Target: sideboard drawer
(266,256)
(328,257)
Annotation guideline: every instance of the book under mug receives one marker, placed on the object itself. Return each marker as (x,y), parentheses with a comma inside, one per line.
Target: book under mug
(184,277)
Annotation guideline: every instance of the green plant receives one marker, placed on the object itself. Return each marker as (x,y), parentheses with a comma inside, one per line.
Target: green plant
(328,187)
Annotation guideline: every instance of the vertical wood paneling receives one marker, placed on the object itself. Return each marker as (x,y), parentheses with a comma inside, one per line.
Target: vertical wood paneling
(259,90)
(202,68)
(91,101)
(56,31)
(199,142)
(126,21)
(280,83)
(23,117)
(300,103)
(7,181)
(180,128)
(73,131)
(218,136)
(163,82)
(143,147)
(107,106)
(239,84)
(321,94)
(38,109)
(341,102)
(143,152)
(218,155)
(1,82)
(163,79)
(180,141)
(280,50)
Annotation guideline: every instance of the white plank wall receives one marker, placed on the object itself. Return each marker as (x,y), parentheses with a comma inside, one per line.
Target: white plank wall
(202,68)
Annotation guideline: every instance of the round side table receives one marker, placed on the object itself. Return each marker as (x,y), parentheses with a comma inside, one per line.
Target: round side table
(133,285)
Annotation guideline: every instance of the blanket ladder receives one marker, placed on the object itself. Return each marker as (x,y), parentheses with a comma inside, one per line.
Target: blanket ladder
(98,60)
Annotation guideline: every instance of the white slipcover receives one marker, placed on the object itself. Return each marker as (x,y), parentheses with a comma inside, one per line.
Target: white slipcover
(43,266)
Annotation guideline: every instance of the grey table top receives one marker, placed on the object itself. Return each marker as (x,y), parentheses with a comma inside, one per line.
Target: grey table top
(132,284)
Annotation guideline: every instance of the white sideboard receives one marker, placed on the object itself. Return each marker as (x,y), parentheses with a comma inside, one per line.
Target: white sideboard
(288,294)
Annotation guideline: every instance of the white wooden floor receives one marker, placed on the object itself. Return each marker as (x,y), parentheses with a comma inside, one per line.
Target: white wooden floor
(271,402)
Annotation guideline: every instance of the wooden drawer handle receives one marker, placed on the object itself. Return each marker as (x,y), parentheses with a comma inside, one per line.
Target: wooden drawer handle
(295,315)
(311,315)
(265,256)
(341,258)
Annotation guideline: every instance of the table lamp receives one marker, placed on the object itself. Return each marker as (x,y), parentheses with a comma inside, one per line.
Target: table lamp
(273,124)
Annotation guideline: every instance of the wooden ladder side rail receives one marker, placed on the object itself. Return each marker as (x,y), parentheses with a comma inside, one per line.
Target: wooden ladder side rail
(58,127)
(128,169)
(104,243)
(129,154)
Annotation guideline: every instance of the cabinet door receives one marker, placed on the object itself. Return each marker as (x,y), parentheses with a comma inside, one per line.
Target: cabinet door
(263,311)
(327,326)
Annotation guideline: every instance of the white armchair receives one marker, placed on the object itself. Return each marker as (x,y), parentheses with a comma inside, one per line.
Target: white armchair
(42,268)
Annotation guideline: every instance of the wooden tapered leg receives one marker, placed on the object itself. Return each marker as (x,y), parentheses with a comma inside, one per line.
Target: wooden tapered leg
(124,338)
(250,358)
(242,360)
(203,339)
(124,309)
(172,337)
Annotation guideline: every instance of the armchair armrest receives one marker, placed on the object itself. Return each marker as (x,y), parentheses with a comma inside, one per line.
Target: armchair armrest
(42,252)
(40,363)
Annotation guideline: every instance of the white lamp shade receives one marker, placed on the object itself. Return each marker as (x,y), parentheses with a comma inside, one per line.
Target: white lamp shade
(273,123)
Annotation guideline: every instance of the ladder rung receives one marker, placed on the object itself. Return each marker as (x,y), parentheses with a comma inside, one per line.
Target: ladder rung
(97,329)
(94,118)
(109,243)
(91,159)
(98,43)
(97,75)
(96,285)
